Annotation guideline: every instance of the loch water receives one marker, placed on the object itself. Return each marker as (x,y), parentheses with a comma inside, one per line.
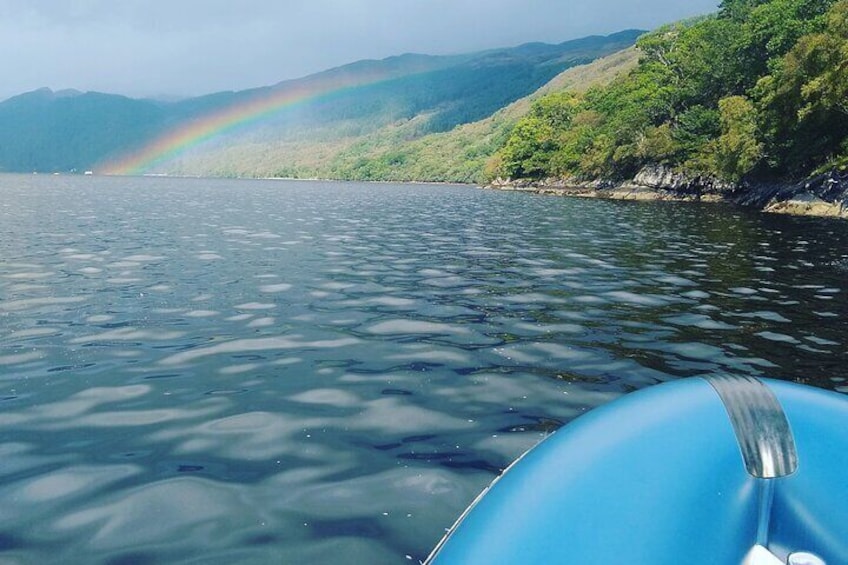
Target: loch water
(221,371)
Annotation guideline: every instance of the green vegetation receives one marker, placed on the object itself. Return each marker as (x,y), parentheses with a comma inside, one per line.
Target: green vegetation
(402,150)
(759,89)
(376,120)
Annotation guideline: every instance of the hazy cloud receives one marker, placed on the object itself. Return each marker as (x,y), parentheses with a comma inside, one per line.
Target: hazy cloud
(185,47)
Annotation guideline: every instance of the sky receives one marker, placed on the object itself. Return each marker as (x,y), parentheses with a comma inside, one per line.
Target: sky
(173,48)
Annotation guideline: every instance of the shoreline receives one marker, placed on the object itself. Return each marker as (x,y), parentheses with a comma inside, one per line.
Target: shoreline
(825,195)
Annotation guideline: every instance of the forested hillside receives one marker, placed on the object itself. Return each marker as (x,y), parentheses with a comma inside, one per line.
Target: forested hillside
(463,154)
(376,132)
(302,127)
(402,151)
(70,131)
(758,90)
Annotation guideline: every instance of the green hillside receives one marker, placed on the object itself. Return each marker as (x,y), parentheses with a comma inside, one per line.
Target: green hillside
(400,151)
(329,115)
(464,153)
(73,131)
(756,91)
(356,135)
(64,131)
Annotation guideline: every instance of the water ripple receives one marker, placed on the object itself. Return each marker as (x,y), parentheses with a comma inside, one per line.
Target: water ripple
(330,371)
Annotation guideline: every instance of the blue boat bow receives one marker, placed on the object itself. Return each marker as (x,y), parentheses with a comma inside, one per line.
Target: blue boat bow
(728,470)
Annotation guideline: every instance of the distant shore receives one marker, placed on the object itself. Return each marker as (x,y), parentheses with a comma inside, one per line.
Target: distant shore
(825,195)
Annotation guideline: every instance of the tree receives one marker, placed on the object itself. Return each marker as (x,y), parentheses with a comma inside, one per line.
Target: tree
(535,138)
(738,10)
(771,29)
(804,104)
(737,150)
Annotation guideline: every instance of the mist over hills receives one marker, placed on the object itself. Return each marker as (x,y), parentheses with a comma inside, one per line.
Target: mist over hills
(70,131)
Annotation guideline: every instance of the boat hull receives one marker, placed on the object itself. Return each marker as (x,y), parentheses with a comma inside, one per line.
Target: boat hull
(657,477)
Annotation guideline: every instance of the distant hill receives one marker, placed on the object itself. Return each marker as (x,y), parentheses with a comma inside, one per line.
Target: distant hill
(463,153)
(399,151)
(268,131)
(68,130)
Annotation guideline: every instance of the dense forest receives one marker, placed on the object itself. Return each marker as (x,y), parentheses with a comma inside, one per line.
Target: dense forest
(758,90)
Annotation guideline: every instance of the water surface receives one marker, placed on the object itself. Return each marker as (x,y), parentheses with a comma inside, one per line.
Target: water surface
(259,371)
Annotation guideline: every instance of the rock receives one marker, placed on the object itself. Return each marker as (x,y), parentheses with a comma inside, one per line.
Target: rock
(823,195)
(664,178)
(808,205)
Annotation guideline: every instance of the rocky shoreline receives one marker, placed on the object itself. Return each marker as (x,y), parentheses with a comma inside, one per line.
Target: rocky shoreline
(825,195)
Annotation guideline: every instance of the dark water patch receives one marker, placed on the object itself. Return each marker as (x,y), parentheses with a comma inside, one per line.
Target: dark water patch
(396,392)
(428,457)
(457,463)
(360,528)
(536,424)
(162,376)
(114,344)
(117,325)
(225,392)
(132,455)
(10,542)
(135,558)
(64,368)
(416,439)
(388,446)
(263,539)
(189,468)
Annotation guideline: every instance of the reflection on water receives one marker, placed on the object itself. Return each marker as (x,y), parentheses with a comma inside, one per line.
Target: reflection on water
(246,371)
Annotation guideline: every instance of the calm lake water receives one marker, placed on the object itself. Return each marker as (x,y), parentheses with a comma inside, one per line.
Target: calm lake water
(209,371)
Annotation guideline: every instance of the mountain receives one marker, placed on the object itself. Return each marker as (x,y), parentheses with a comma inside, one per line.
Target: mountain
(67,130)
(463,154)
(398,152)
(252,132)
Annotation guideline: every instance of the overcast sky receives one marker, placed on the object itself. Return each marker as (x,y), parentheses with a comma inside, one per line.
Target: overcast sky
(189,47)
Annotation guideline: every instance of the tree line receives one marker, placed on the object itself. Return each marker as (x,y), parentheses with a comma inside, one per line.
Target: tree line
(757,90)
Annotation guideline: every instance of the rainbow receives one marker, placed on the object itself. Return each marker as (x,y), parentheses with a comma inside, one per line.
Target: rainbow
(206,127)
